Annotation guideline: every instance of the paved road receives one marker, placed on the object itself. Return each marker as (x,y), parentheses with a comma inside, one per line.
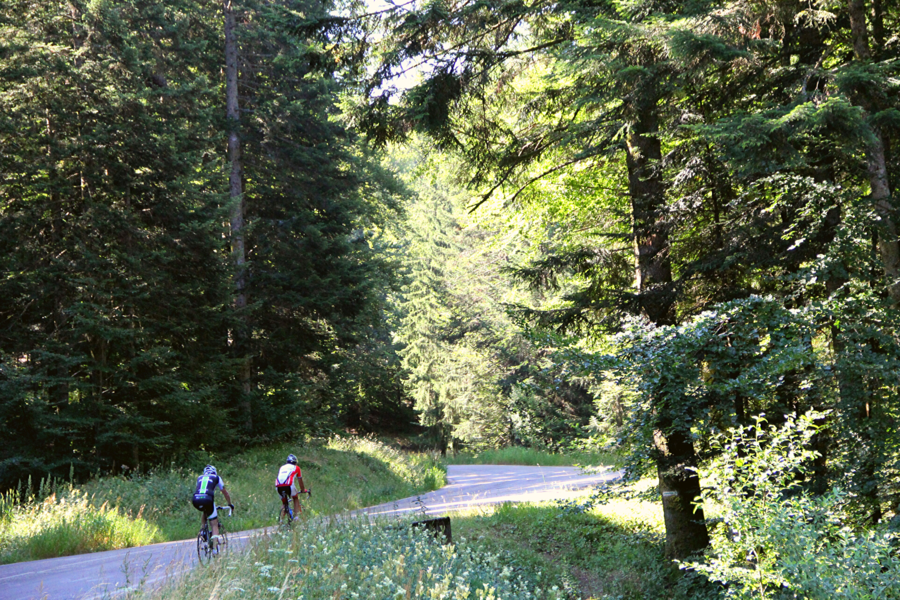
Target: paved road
(108,574)
(474,485)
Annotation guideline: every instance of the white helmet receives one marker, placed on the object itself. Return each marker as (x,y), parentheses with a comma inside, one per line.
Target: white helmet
(209,470)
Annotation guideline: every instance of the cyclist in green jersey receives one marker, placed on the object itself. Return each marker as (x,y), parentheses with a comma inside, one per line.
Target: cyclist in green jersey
(205,496)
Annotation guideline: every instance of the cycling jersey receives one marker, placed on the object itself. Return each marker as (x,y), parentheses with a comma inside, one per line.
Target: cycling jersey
(207,485)
(286,474)
(285,479)
(205,493)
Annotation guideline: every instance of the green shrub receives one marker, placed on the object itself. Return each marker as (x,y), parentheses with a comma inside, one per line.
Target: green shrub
(777,541)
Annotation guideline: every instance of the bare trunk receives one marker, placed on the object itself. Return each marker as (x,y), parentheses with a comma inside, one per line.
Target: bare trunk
(59,372)
(888,246)
(650,230)
(878,27)
(236,194)
(679,486)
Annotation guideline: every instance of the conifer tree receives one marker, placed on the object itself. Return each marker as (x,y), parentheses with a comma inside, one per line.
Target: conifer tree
(311,276)
(109,231)
(117,267)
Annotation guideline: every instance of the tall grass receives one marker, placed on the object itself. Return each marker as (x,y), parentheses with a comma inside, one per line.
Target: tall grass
(352,558)
(534,457)
(155,506)
(68,524)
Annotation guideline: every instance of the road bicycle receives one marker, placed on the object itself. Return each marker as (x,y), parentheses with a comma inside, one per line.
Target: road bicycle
(208,545)
(286,506)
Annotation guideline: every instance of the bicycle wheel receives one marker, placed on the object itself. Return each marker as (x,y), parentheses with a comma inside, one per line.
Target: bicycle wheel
(285,517)
(203,554)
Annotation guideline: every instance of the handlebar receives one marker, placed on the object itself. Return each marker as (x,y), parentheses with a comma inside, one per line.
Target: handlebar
(230,510)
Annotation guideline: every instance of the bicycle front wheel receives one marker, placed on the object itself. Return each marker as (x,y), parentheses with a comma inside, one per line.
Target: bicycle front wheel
(203,554)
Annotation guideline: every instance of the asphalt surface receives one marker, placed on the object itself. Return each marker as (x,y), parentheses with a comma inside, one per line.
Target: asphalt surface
(469,486)
(110,574)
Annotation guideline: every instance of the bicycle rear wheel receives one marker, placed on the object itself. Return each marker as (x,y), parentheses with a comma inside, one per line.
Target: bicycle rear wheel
(285,518)
(203,554)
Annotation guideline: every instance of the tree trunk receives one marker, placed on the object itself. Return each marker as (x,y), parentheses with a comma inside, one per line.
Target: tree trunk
(650,230)
(886,231)
(878,27)
(679,486)
(858,31)
(876,165)
(240,335)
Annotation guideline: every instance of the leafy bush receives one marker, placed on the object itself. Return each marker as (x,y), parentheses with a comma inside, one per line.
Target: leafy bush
(777,541)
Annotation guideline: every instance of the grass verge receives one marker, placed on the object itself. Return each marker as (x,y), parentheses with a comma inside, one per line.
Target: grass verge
(534,457)
(604,552)
(513,551)
(120,512)
(356,559)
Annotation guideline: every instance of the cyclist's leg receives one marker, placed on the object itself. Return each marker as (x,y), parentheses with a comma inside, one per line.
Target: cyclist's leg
(284,493)
(214,519)
(202,504)
(295,495)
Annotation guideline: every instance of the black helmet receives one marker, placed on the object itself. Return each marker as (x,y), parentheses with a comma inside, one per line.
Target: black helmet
(291,459)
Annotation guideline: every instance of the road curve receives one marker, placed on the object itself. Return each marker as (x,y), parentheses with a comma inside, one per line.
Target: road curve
(108,574)
(476,485)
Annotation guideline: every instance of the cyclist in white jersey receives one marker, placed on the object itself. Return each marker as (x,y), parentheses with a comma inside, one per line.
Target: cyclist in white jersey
(289,481)
(204,498)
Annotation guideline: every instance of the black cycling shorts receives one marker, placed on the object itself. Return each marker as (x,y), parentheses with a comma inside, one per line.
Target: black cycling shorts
(284,491)
(204,503)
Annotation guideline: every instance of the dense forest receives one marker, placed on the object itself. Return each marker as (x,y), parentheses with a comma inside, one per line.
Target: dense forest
(553,224)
